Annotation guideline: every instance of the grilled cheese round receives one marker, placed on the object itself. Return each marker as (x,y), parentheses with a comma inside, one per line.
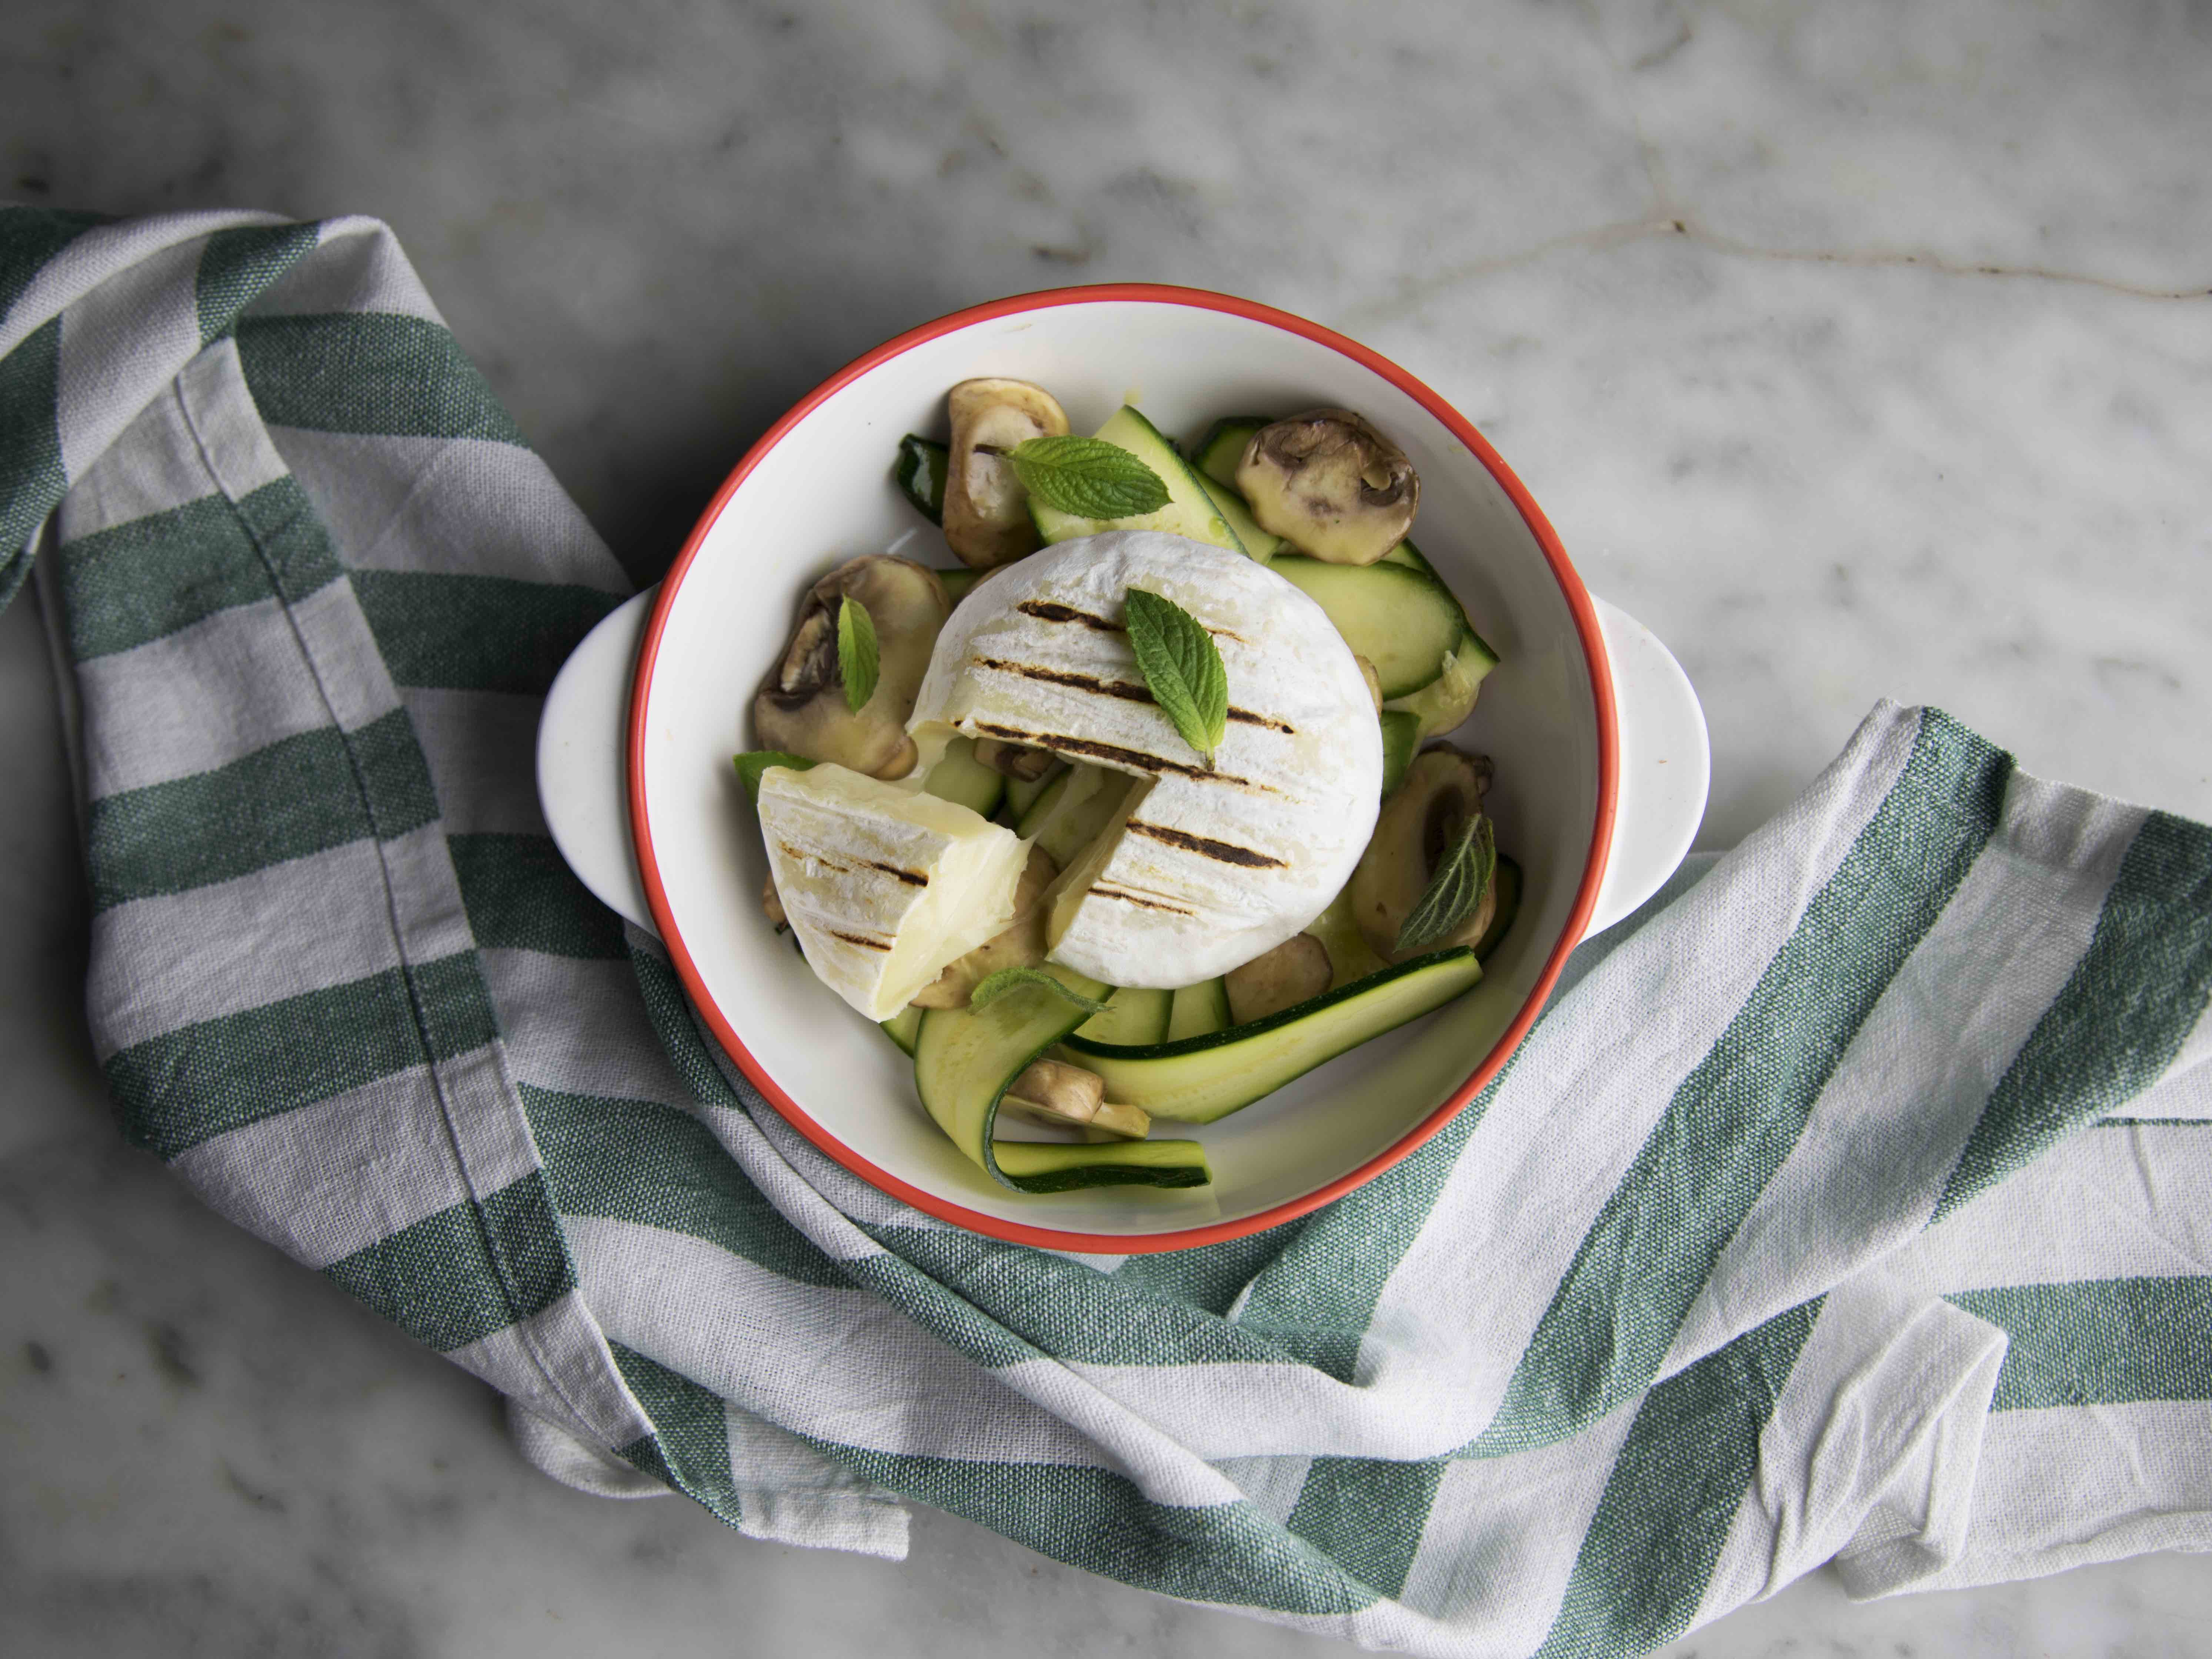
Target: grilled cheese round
(1202,868)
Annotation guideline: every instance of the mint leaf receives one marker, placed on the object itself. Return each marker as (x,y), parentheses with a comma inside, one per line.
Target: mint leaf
(919,473)
(1181,667)
(753,763)
(1013,979)
(1456,890)
(1087,476)
(857,660)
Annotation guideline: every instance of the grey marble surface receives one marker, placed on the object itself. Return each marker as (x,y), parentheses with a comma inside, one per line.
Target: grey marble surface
(1860,350)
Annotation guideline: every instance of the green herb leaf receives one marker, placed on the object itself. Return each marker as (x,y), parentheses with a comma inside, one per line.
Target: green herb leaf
(1456,891)
(857,660)
(1181,667)
(920,474)
(754,762)
(1013,979)
(1087,476)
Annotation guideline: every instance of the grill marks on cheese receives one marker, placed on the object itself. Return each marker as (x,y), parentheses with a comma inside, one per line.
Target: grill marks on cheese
(1141,902)
(1052,612)
(819,858)
(1067,745)
(1124,689)
(1046,610)
(911,877)
(1206,846)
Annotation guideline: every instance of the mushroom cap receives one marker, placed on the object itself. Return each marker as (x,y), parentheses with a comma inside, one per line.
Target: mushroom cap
(1331,485)
(801,707)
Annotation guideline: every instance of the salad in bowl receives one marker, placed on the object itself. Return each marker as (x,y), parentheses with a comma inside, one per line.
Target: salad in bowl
(1034,644)
(1144,808)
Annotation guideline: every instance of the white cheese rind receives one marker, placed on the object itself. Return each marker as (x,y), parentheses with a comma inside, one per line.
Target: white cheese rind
(1217,866)
(883,886)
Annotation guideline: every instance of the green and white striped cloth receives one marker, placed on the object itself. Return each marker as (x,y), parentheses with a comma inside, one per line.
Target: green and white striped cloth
(1855,1207)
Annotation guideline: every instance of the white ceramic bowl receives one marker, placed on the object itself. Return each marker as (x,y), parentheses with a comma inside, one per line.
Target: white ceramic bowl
(816,490)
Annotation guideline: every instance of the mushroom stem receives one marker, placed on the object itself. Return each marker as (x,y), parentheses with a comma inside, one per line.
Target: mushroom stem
(1053,1091)
(1066,1093)
(1013,760)
(987,518)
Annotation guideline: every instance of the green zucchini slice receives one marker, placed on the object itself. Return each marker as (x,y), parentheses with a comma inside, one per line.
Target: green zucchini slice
(1135,1018)
(962,779)
(1200,1010)
(957,583)
(1221,448)
(1402,621)
(965,1058)
(1189,512)
(1260,545)
(1448,699)
(1409,555)
(919,472)
(1070,814)
(1022,793)
(903,1027)
(1401,736)
(1051,1166)
(1200,1080)
(1042,804)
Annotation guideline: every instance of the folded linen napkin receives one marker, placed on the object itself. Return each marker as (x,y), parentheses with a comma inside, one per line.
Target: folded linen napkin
(1852,1205)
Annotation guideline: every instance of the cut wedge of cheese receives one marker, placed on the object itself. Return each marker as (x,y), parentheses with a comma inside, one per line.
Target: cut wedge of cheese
(1208,868)
(883,885)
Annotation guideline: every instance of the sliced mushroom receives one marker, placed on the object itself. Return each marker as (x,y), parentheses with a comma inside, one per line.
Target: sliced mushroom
(801,709)
(1331,485)
(1014,760)
(1374,681)
(1442,790)
(1052,1092)
(772,904)
(986,511)
(1295,971)
(1020,944)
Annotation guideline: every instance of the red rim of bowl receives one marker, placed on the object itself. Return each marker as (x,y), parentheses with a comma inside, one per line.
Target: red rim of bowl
(1570,586)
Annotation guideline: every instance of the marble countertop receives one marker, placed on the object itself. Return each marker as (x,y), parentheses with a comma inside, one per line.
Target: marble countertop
(1860,351)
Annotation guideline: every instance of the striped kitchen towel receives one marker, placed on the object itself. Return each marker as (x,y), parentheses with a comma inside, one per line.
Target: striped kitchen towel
(1853,1207)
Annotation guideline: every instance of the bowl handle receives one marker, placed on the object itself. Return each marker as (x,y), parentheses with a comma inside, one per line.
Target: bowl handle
(1666,766)
(582,747)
